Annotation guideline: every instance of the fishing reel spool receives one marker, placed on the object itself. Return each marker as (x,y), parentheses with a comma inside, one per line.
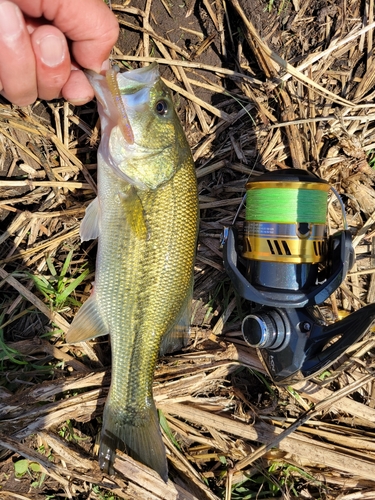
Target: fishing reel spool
(287,266)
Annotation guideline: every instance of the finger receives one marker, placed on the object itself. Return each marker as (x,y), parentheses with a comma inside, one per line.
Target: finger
(77,89)
(52,61)
(89,24)
(17,62)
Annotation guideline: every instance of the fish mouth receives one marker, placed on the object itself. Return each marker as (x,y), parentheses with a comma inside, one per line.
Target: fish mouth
(127,88)
(131,88)
(131,82)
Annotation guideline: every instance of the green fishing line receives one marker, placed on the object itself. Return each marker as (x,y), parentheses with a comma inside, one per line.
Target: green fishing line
(286,205)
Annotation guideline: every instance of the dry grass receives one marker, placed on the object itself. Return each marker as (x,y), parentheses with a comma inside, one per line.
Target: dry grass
(259,90)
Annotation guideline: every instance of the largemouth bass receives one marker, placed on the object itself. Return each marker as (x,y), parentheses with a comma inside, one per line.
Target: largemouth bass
(146,219)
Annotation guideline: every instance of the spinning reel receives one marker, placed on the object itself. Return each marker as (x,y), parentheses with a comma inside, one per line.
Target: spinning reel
(287,266)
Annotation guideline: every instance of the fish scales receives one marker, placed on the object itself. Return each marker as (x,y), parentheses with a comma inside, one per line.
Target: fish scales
(146,217)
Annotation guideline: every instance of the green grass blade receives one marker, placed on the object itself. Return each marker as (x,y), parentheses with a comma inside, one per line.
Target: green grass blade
(164,425)
(62,297)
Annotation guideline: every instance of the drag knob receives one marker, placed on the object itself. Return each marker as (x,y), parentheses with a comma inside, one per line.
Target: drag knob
(264,330)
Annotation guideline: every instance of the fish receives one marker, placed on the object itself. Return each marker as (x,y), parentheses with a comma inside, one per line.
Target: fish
(146,219)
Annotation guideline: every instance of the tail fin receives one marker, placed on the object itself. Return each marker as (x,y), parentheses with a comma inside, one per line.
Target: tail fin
(138,437)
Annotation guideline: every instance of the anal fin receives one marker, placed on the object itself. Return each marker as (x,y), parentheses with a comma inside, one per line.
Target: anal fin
(178,336)
(87,323)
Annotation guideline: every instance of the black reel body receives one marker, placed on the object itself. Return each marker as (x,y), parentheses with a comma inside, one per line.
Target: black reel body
(287,265)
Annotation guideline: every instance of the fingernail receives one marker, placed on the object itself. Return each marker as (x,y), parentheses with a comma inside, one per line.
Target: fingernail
(105,66)
(11,22)
(80,102)
(52,50)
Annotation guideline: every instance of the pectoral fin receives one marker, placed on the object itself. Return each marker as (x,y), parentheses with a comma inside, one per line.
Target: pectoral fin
(87,324)
(178,336)
(134,213)
(89,229)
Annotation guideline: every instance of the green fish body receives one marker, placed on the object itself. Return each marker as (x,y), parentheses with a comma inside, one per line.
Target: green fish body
(146,221)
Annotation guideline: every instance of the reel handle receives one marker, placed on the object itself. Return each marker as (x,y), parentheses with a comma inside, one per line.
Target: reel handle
(300,349)
(351,329)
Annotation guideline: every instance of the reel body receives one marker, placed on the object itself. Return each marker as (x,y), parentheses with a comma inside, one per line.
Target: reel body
(287,265)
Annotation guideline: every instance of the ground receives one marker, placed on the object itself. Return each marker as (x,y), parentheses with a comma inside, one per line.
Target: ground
(259,86)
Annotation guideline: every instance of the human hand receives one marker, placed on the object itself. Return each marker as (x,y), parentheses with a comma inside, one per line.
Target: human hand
(44,43)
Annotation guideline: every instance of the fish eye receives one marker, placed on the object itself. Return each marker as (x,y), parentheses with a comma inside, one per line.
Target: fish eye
(161,107)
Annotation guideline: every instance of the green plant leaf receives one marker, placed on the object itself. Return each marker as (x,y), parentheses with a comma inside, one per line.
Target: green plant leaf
(35,467)
(67,262)
(50,266)
(164,425)
(70,288)
(21,467)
